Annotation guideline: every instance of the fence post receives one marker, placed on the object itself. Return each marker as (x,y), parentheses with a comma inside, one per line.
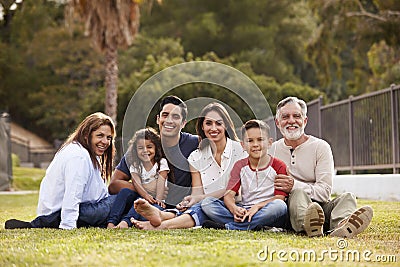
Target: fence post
(5,118)
(351,123)
(320,117)
(393,102)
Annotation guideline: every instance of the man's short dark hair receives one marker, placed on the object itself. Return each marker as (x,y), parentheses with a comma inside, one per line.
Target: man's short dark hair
(171,99)
(259,124)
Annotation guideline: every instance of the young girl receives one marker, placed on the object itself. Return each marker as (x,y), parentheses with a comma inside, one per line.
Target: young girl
(149,170)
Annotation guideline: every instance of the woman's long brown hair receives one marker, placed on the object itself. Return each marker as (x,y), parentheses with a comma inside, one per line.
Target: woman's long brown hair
(82,135)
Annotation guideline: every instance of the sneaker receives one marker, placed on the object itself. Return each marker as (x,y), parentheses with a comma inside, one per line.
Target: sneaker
(208,224)
(314,220)
(17,224)
(357,222)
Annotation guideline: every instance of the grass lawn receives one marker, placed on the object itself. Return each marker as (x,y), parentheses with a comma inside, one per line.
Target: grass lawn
(27,178)
(378,245)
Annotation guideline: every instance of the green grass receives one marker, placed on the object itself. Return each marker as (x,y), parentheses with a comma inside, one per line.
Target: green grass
(27,178)
(198,247)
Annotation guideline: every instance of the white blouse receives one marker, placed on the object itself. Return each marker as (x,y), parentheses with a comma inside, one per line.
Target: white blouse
(70,179)
(213,176)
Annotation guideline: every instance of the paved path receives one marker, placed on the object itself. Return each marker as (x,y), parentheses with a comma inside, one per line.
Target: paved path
(23,192)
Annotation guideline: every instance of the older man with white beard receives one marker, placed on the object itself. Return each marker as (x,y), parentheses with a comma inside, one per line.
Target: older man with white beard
(309,183)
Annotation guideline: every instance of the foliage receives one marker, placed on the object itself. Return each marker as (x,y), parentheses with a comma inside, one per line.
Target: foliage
(258,32)
(62,102)
(199,247)
(384,62)
(340,49)
(51,77)
(15,160)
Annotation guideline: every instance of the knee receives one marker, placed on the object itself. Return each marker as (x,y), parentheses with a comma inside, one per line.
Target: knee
(280,205)
(207,202)
(125,191)
(348,197)
(298,196)
(296,193)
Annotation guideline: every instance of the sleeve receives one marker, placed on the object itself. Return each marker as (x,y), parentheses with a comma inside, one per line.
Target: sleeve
(76,174)
(324,170)
(123,167)
(133,169)
(164,165)
(193,159)
(234,180)
(280,168)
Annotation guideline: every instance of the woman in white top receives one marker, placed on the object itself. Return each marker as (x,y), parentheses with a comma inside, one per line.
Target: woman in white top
(75,181)
(210,167)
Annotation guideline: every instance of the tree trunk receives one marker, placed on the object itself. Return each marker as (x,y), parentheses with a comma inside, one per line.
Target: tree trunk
(111,82)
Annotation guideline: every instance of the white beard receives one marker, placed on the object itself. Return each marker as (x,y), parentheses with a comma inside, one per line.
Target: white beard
(292,135)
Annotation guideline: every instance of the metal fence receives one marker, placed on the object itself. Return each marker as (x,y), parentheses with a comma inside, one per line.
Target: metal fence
(363,131)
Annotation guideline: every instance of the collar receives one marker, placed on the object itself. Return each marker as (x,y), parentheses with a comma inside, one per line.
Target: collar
(227,151)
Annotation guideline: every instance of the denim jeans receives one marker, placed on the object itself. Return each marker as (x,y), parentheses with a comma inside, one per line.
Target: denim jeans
(123,209)
(272,214)
(197,214)
(90,214)
(122,205)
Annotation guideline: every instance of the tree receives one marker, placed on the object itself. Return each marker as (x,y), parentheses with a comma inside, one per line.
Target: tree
(112,24)
(352,35)
(271,35)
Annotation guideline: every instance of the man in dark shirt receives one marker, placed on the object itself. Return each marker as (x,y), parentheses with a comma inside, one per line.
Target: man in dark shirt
(177,147)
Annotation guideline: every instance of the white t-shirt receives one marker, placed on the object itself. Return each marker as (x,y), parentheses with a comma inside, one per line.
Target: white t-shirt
(149,178)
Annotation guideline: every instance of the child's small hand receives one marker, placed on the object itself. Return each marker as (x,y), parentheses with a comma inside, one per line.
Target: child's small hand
(186,203)
(239,214)
(250,212)
(150,199)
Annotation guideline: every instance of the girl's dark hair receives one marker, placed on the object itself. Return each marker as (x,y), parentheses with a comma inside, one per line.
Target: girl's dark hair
(229,131)
(151,134)
(82,135)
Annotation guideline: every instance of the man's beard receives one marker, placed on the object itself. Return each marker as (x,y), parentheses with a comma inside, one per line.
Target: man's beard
(292,135)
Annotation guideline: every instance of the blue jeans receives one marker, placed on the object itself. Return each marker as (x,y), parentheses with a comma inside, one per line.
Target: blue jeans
(122,205)
(90,214)
(197,214)
(272,214)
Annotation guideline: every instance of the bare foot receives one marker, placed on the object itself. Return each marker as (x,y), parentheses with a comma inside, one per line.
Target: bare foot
(110,225)
(122,225)
(146,225)
(148,211)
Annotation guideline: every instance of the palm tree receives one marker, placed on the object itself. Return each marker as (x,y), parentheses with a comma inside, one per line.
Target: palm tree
(112,24)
